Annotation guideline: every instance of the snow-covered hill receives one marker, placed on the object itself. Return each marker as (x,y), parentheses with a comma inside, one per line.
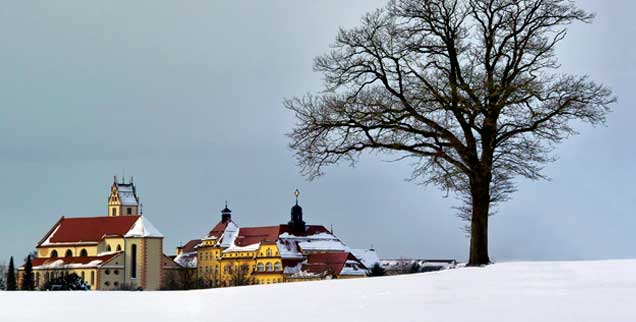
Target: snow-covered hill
(523,291)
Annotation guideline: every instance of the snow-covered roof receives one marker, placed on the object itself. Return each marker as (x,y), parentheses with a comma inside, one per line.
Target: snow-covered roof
(187,260)
(143,228)
(368,257)
(229,235)
(248,248)
(74,262)
(127,195)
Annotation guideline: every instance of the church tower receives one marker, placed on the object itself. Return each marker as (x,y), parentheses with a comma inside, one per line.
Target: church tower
(123,200)
(296,224)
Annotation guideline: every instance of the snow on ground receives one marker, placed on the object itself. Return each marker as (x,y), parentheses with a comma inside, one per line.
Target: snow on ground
(522,291)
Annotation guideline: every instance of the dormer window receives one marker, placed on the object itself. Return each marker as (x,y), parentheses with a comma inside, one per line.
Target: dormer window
(129,211)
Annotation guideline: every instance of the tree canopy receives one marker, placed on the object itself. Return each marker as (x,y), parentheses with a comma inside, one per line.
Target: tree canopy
(469,90)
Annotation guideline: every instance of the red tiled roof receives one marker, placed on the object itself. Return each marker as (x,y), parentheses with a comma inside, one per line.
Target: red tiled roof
(331,263)
(89,229)
(72,260)
(189,246)
(252,235)
(309,230)
(218,230)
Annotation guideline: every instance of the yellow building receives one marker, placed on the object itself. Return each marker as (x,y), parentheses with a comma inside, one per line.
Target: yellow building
(120,250)
(230,255)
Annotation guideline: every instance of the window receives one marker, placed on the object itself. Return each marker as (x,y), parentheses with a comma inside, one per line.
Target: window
(277,267)
(269,267)
(116,284)
(83,253)
(269,252)
(107,283)
(108,248)
(92,278)
(116,272)
(260,267)
(114,211)
(129,211)
(119,248)
(68,253)
(54,253)
(37,279)
(133,268)
(107,272)
(83,276)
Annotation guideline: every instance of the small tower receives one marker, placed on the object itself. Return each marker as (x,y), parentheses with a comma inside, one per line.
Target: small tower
(226,214)
(123,200)
(296,224)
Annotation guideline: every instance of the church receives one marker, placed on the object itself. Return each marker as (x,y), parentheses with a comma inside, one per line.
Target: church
(230,255)
(123,250)
(120,250)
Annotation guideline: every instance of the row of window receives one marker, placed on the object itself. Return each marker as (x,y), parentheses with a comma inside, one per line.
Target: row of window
(210,255)
(83,252)
(51,275)
(260,267)
(269,281)
(110,248)
(113,211)
(69,253)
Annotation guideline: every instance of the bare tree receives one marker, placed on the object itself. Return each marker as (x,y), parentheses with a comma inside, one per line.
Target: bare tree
(467,89)
(240,275)
(3,276)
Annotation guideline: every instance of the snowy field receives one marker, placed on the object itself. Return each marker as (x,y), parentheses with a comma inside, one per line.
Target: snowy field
(535,291)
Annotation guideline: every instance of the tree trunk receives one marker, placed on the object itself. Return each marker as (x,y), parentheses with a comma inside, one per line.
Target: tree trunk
(479,223)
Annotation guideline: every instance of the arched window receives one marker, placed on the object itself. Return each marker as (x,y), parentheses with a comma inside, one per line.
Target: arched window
(119,248)
(268,267)
(69,253)
(83,253)
(54,254)
(108,248)
(277,267)
(260,267)
(37,279)
(133,255)
(92,278)
(269,252)
(83,276)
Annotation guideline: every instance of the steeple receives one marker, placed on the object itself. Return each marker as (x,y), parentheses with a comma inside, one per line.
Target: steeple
(123,199)
(226,214)
(296,224)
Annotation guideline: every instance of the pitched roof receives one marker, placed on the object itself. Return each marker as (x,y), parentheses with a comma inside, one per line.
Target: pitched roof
(218,230)
(88,229)
(127,194)
(253,235)
(329,263)
(189,246)
(143,228)
(309,230)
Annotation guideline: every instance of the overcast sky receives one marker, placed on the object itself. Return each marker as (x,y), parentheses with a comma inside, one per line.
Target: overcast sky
(186,96)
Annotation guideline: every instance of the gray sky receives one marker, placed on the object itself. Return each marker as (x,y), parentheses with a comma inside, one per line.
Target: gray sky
(186,96)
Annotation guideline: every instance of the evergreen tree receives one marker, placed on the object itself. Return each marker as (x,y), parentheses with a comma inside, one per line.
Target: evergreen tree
(70,282)
(27,278)
(377,270)
(11,285)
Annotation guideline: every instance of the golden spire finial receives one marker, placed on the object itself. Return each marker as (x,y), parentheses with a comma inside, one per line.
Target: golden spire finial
(296,194)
